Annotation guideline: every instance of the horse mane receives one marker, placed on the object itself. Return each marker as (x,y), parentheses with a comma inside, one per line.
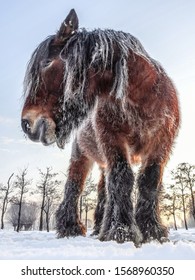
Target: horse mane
(100,50)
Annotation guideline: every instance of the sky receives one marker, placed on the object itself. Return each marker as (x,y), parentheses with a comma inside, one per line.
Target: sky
(165,28)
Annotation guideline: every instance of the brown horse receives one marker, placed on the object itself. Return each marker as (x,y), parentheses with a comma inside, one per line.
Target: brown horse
(124,108)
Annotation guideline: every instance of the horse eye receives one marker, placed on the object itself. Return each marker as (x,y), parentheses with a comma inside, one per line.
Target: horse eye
(46,63)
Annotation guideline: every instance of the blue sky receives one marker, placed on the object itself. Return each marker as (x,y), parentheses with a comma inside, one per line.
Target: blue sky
(165,28)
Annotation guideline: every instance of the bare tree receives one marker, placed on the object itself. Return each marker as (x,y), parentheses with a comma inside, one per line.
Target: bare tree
(89,203)
(21,184)
(42,189)
(48,187)
(181,188)
(28,215)
(88,198)
(6,192)
(188,177)
(12,215)
(52,196)
(170,204)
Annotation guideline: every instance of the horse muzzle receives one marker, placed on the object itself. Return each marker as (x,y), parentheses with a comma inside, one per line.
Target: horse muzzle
(42,130)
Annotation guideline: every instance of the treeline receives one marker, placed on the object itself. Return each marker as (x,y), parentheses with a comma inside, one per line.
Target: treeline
(19,207)
(178,203)
(28,207)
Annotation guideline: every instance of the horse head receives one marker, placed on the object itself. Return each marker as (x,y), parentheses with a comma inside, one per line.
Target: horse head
(42,112)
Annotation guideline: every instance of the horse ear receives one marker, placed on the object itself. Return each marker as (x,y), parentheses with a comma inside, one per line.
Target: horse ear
(68,26)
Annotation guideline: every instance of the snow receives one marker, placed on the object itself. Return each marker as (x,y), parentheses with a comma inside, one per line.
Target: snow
(35,245)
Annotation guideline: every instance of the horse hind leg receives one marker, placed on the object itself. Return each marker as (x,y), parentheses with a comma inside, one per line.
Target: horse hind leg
(99,211)
(147,209)
(67,216)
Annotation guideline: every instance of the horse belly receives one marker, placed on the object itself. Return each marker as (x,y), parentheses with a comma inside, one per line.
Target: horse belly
(89,145)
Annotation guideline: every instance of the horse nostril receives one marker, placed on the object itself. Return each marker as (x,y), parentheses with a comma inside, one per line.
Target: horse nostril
(25,125)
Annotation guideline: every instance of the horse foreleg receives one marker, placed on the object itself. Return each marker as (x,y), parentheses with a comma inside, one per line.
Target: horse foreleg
(67,216)
(99,211)
(118,222)
(147,209)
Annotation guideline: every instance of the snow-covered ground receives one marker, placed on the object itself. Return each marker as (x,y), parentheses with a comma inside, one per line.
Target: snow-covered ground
(35,245)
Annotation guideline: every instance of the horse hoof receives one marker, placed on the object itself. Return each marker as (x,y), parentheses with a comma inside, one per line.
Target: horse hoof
(164,239)
(94,233)
(154,232)
(77,230)
(119,234)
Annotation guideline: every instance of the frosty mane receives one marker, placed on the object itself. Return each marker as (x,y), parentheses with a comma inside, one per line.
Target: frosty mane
(101,50)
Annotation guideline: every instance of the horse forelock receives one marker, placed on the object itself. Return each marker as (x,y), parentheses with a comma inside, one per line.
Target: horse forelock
(32,75)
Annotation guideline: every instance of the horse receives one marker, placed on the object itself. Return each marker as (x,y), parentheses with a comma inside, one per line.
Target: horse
(123,109)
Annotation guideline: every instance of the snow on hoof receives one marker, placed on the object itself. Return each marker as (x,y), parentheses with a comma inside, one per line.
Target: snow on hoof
(155,234)
(120,234)
(95,233)
(73,231)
